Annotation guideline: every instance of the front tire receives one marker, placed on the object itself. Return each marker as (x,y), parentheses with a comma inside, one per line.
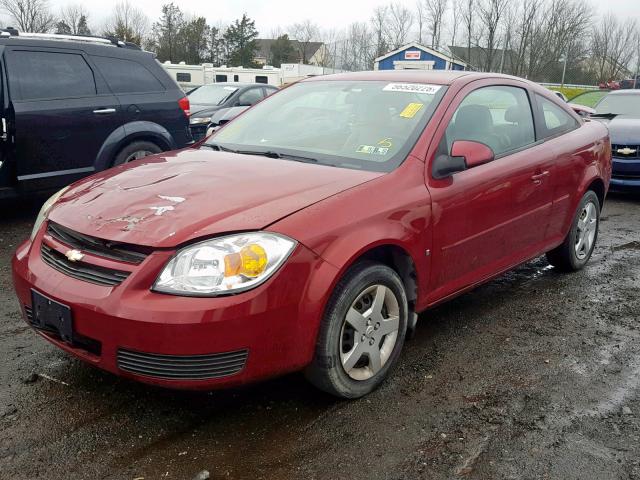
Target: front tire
(576,250)
(362,332)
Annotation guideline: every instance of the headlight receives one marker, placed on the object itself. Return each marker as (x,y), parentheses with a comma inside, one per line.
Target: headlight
(224,265)
(44,211)
(200,121)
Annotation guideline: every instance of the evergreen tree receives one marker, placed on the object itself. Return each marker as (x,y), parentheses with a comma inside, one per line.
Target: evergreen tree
(62,28)
(282,51)
(240,40)
(193,41)
(166,33)
(83,28)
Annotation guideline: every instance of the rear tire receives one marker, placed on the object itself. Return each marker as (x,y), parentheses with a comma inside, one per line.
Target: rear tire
(136,150)
(362,332)
(576,250)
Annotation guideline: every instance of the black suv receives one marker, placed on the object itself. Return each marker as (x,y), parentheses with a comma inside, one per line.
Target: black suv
(74,105)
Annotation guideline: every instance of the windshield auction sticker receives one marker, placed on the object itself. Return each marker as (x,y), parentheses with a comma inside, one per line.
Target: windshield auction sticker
(412,88)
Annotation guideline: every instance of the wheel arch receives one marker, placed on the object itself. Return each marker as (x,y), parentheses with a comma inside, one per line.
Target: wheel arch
(128,133)
(598,187)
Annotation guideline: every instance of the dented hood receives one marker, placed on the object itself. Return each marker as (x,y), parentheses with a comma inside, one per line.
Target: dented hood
(165,200)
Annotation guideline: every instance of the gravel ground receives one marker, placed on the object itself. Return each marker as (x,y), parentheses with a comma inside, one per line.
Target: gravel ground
(535,375)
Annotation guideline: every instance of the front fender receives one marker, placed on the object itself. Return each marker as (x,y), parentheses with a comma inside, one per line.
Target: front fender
(391,210)
(128,133)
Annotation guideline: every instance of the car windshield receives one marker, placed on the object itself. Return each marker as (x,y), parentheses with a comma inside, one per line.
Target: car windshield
(369,125)
(589,99)
(211,94)
(619,104)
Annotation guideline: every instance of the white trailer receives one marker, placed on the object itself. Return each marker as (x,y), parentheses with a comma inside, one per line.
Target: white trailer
(191,76)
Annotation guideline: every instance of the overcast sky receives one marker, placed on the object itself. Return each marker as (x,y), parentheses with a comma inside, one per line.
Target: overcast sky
(328,14)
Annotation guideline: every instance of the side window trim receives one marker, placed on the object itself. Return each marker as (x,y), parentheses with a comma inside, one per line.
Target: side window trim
(532,107)
(545,133)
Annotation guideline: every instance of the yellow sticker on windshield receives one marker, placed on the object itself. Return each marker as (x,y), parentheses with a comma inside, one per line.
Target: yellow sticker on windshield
(411,110)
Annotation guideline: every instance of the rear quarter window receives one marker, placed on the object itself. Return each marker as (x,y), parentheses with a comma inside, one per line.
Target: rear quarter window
(49,75)
(555,120)
(127,76)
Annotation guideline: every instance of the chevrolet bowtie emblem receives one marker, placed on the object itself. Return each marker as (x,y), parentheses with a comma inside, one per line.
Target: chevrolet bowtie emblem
(74,255)
(627,151)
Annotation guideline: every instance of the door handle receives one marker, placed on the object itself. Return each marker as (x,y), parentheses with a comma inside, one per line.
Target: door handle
(537,178)
(104,111)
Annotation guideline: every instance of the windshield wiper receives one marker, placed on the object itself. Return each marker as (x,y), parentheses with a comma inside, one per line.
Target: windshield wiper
(262,153)
(605,115)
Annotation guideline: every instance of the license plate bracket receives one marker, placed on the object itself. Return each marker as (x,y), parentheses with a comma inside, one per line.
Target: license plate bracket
(51,315)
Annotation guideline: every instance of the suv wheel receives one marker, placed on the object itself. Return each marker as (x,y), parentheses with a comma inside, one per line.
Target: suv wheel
(576,250)
(136,150)
(362,332)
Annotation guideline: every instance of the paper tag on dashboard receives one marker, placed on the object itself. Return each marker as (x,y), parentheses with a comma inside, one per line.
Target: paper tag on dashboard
(412,88)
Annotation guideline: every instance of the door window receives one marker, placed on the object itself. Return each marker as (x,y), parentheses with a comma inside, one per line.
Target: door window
(125,76)
(49,75)
(497,116)
(556,120)
(251,96)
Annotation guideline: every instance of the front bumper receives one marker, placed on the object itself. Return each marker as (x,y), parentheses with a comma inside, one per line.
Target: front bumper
(136,333)
(626,175)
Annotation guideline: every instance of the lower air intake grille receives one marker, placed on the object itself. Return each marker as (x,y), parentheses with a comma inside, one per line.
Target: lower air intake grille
(182,367)
(82,271)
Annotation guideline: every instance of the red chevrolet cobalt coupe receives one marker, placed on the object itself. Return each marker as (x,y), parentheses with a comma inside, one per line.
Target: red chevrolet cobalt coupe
(309,232)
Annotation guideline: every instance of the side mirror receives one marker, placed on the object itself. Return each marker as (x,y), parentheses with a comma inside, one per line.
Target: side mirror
(465,154)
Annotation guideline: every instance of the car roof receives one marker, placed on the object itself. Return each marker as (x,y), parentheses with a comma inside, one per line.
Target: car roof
(436,77)
(625,92)
(238,84)
(90,47)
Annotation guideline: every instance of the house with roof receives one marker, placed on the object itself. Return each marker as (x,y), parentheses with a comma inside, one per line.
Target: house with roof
(314,53)
(414,56)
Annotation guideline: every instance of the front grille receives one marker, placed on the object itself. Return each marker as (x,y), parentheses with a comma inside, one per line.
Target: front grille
(120,252)
(198,132)
(182,367)
(626,177)
(80,270)
(626,151)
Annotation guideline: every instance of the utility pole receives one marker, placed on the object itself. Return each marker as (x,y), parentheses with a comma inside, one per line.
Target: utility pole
(564,68)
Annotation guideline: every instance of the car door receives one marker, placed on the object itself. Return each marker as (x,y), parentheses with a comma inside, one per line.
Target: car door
(489,217)
(61,115)
(142,96)
(250,97)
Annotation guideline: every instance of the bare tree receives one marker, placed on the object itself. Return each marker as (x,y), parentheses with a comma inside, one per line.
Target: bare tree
(75,18)
(127,23)
(29,15)
(379,22)
(468,19)
(421,18)
(400,23)
(436,10)
(455,22)
(305,33)
(611,46)
(490,13)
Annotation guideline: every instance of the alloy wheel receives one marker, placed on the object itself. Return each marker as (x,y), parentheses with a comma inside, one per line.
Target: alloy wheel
(369,332)
(587,227)
(137,155)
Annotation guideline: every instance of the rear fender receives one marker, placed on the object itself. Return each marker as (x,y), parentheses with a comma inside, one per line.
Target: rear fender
(128,133)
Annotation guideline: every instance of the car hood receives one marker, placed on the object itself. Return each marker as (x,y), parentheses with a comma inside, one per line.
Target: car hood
(203,110)
(168,199)
(623,129)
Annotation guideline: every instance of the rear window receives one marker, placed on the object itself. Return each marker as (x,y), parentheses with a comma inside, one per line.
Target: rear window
(125,76)
(49,75)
